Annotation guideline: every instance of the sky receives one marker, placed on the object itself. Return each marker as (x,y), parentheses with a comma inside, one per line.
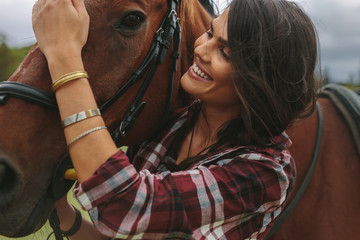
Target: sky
(337,23)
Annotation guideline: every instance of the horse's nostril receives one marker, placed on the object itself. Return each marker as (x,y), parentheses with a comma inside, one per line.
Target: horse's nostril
(9,183)
(3,168)
(6,175)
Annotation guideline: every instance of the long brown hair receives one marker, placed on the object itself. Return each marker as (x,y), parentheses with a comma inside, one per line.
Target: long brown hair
(273,47)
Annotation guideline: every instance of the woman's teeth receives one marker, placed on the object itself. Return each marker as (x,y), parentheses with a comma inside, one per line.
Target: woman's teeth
(199,72)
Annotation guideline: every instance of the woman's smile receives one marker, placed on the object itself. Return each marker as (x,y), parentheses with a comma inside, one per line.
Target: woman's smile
(196,72)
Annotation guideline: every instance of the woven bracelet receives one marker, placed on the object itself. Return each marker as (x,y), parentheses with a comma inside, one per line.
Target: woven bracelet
(76,226)
(86,133)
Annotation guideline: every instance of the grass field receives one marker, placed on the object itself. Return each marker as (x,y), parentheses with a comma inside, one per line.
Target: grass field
(352,86)
(44,232)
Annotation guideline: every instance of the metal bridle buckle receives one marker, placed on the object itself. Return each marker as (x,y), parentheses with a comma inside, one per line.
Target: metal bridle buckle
(160,31)
(122,132)
(172,13)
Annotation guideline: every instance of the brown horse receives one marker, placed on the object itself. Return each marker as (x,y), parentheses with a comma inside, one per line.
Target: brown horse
(330,206)
(32,141)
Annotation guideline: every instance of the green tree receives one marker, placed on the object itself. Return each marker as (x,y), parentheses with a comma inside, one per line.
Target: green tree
(10,58)
(6,59)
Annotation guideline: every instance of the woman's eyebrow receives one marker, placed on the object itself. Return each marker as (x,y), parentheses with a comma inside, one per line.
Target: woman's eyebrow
(220,39)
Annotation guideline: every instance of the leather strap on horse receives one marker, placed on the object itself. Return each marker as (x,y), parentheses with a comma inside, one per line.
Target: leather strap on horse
(55,225)
(290,208)
(27,93)
(169,29)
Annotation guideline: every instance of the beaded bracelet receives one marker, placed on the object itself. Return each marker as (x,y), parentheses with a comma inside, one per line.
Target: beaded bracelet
(86,133)
(69,77)
(80,116)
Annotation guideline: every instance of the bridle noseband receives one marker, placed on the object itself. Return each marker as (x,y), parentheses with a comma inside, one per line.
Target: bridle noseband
(168,32)
(27,93)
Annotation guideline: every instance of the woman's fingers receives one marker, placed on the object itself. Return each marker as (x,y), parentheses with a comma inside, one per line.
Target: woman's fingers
(41,2)
(60,26)
(35,8)
(79,5)
(81,9)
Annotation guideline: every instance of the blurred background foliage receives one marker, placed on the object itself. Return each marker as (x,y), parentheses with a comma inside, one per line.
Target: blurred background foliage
(10,58)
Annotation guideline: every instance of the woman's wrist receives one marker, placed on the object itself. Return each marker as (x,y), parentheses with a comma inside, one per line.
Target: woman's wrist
(66,213)
(60,65)
(75,227)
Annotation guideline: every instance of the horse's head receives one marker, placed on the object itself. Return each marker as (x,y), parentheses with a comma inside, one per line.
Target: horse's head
(31,136)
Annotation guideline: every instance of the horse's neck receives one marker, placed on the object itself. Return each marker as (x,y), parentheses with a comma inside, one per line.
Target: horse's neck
(194,21)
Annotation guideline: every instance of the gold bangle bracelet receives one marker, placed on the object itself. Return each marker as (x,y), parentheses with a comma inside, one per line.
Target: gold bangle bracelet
(69,77)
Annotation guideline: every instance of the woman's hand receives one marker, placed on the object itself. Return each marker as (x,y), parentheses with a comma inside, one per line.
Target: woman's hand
(61,28)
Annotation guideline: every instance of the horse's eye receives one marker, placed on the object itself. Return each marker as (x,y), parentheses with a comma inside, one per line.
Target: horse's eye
(131,22)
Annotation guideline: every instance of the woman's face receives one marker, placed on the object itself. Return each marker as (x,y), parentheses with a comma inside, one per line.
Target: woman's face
(209,78)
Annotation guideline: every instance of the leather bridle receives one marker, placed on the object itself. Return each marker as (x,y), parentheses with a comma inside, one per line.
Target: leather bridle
(168,32)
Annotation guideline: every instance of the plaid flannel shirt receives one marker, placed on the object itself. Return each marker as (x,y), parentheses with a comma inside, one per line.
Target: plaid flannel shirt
(235,193)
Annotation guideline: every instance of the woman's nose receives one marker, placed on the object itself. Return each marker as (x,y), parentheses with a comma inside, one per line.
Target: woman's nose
(204,49)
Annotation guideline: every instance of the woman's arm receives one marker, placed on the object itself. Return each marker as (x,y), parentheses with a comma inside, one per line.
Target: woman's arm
(240,195)
(61,28)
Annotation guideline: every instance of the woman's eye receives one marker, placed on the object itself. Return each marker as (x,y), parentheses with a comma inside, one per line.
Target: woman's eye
(222,50)
(224,54)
